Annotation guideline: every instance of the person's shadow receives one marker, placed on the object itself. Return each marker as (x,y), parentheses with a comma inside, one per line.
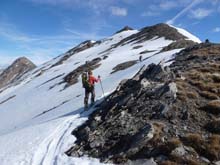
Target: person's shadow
(82,113)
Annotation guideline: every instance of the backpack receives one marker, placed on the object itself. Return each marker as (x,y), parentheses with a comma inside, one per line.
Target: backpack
(85,82)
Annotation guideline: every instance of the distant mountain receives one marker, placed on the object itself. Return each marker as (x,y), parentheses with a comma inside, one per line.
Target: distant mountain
(40,108)
(15,71)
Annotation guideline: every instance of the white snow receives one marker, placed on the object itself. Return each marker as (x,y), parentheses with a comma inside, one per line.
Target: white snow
(36,125)
(187,34)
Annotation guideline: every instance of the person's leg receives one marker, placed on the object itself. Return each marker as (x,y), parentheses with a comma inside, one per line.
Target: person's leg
(86,98)
(93,95)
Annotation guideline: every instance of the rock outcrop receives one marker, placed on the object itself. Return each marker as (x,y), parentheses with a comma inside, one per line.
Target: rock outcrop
(126,28)
(170,114)
(123,66)
(179,44)
(17,69)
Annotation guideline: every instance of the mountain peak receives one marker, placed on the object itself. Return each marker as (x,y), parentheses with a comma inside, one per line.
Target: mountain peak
(163,30)
(23,60)
(17,69)
(126,28)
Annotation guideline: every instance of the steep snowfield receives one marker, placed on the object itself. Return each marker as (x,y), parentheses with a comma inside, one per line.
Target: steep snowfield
(37,115)
(187,34)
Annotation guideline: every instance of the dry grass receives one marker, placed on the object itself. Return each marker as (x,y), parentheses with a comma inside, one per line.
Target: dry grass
(181,96)
(214,65)
(209,148)
(178,160)
(192,95)
(215,77)
(183,160)
(206,86)
(185,92)
(174,143)
(213,147)
(212,107)
(209,67)
(168,162)
(167,147)
(207,51)
(213,126)
(208,95)
(195,75)
(193,140)
(205,69)
(158,127)
(204,78)
(185,96)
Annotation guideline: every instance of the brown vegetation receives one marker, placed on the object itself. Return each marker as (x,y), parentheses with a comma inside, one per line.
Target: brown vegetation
(208,95)
(207,147)
(177,160)
(213,126)
(212,107)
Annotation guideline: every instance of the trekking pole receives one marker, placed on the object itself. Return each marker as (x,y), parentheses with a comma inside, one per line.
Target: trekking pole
(102,87)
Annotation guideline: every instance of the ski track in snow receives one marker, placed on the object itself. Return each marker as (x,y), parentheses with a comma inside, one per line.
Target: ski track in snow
(51,151)
(47,152)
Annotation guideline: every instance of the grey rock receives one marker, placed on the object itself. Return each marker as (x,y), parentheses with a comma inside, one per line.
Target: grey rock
(15,71)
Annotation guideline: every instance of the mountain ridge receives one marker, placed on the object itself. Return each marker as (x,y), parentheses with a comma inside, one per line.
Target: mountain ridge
(48,100)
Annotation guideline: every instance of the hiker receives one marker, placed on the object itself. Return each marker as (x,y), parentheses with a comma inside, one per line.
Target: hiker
(89,85)
(140,58)
(207,41)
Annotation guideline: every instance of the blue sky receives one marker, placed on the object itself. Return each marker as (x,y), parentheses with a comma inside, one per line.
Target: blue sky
(43,29)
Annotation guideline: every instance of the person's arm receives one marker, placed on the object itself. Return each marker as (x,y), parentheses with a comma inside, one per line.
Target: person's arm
(93,79)
(96,79)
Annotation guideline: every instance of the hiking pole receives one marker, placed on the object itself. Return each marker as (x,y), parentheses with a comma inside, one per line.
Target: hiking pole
(102,87)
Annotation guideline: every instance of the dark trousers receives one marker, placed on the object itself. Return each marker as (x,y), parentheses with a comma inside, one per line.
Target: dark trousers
(87,93)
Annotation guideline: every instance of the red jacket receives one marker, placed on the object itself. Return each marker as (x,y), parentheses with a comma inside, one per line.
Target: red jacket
(92,80)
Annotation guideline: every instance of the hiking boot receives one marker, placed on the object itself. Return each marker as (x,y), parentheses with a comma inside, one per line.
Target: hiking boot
(92,103)
(86,107)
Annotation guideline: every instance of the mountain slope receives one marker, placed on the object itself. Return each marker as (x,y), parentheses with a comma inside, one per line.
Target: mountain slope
(50,97)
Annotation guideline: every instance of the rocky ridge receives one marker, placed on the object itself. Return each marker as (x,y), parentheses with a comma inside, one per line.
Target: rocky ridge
(169,114)
(15,71)
(126,28)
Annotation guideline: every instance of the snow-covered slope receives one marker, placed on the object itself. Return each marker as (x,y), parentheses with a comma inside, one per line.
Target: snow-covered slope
(38,112)
(187,34)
